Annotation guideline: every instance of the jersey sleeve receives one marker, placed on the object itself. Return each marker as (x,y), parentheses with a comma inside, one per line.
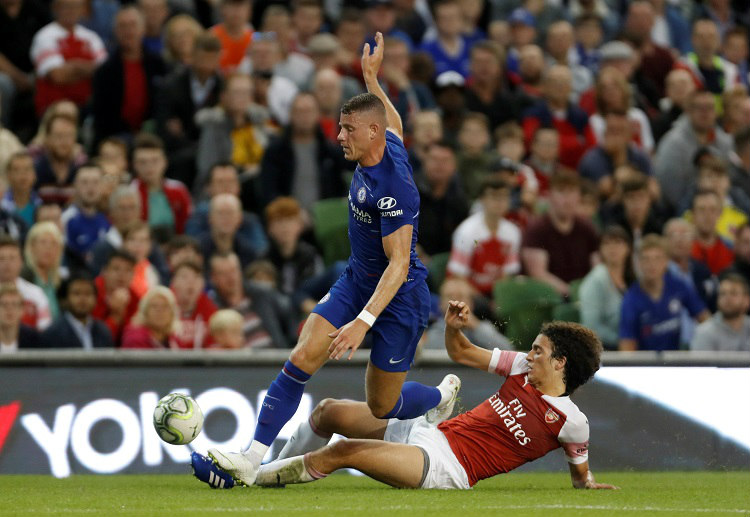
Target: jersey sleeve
(45,52)
(574,439)
(398,198)
(462,250)
(506,363)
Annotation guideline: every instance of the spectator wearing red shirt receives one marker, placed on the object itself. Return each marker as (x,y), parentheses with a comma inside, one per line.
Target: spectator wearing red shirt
(124,86)
(164,202)
(708,246)
(116,303)
(156,325)
(65,56)
(196,308)
(560,247)
(554,110)
(234,32)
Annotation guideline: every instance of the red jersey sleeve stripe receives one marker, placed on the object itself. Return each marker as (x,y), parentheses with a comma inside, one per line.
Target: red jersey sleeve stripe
(505,363)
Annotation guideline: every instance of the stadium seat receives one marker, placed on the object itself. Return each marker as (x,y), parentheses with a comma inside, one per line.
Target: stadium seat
(567,312)
(331,221)
(522,305)
(437,267)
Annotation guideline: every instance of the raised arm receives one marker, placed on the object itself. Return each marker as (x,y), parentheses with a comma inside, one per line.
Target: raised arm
(370,67)
(582,477)
(460,349)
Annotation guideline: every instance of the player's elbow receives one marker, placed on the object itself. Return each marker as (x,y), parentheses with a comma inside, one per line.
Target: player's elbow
(400,268)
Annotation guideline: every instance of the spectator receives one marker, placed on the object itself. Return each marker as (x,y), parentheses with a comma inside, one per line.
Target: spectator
(544,157)
(183,248)
(156,325)
(603,287)
(589,33)
(560,47)
(679,235)
(75,327)
(11,224)
(710,71)
(614,150)
(300,162)
(181,33)
(443,205)
(307,19)
(409,96)
(43,252)
(651,307)
(633,206)
(328,89)
(323,49)
(555,111)
(381,16)
(56,166)
(655,61)
(708,247)
(265,323)
(485,92)
(124,86)
(224,179)
(474,154)
(450,49)
(736,104)
(295,260)
(480,332)
(113,160)
(65,56)
(9,142)
(451,102)
(679,88)
(83,222)
(63,107)
(613,95)
(155,12)
(165,203)
(20,198)
(670,28)
(116,302)
(741,263)
(196,308)
(224,220)
(14,334)
(50,212)
(185,92)
(36,310)
(295,66)
(351,33)
(226,329)
(673,163)
(234,130)
(560,247)
(735,49)
(728,329)
(522,33)
(530,71)
(427,129)
(486,245)
(234,32)
(739,173)
(20,20)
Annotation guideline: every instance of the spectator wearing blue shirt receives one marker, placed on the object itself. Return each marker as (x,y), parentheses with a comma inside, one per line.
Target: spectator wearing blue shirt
(651,308)
(450,50)
(82,221)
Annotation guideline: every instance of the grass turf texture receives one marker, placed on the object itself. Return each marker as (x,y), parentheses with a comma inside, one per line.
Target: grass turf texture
(524,494)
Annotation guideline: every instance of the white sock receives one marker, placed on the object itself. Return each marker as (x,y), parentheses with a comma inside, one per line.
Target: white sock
(288,471)
(306,438)
(256,452)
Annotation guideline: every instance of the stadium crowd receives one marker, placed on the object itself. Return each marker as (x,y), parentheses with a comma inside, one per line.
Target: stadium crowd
(163,164)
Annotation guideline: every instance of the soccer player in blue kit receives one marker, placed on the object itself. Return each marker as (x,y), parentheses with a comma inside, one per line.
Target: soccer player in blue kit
(382,290)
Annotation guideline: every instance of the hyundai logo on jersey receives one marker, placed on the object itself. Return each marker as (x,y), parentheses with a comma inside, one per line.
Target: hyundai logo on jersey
(386,203)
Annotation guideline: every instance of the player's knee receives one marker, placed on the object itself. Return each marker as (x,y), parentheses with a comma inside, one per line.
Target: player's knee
(379,407)
(323,411)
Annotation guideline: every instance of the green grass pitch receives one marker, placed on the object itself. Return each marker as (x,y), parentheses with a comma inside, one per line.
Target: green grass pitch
(680,494)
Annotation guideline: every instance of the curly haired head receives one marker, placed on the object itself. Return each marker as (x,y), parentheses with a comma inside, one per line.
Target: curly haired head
(581,348)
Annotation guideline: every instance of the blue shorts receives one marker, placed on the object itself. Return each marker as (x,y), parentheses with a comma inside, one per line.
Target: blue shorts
(397,330)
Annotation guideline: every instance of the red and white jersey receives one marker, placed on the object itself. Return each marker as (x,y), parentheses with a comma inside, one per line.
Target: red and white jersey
(484,257)
(516,425)
(36,311)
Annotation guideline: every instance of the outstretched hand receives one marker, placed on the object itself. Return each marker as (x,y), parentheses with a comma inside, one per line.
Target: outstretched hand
(371,62)
(457,315)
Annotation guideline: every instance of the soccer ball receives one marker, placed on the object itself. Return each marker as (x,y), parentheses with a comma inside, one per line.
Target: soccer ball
(178,419)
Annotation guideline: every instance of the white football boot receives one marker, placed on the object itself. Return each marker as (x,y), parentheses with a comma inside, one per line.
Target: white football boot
(449,388)
(238,465)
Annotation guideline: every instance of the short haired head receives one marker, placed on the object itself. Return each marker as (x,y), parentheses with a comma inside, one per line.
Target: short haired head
(364,102)
(77,276)
(363,124)
(565,181)
(652,241)
(580,347)
(283,207)
(119,254)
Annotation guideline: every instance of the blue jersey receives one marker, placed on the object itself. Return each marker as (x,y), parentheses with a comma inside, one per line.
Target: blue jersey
(382,199)
(656,324)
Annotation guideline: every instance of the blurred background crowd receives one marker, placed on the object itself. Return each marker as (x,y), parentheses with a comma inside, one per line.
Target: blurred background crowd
(170,175)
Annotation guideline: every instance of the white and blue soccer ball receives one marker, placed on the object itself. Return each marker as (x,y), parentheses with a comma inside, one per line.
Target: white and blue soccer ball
(178,419)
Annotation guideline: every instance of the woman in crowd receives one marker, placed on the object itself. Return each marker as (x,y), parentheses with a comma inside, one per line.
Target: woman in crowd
(43,253)
(156,324)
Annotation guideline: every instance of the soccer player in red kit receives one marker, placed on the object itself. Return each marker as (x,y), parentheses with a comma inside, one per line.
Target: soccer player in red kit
(530,415)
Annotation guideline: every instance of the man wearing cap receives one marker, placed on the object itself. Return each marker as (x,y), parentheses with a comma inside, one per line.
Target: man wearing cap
(522,32)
